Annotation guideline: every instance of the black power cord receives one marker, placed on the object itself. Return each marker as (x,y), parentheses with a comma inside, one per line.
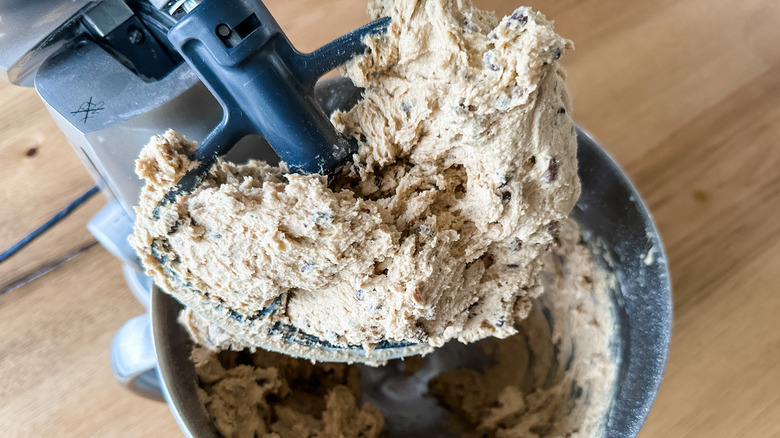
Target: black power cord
(5,255)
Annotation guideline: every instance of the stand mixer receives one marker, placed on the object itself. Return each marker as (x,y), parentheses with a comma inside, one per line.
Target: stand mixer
(112,73)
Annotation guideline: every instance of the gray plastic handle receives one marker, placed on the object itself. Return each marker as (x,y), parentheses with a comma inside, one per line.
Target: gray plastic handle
(133,358)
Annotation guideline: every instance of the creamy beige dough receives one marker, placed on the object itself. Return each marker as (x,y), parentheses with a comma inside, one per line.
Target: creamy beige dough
(435,230)
(555,378)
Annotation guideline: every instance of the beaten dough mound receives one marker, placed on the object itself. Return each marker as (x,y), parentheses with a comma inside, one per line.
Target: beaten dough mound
(435,230)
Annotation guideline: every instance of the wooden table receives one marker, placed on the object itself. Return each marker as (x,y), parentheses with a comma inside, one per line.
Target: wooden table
(684,93)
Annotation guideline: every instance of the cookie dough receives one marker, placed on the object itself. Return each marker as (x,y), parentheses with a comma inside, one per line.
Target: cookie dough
(435,230)
(555,378)
(272,395)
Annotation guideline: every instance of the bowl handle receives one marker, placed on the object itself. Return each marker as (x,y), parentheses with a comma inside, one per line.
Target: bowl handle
(133,359)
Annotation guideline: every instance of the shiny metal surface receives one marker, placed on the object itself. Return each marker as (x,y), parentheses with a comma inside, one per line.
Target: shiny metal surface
(109,113)
(185,5)
(132,359)
(611,213)
(28,34)
(107,16)
(160,4)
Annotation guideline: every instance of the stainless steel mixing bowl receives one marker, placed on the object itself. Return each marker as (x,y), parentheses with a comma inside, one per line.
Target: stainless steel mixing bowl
(609,211)
(611,216)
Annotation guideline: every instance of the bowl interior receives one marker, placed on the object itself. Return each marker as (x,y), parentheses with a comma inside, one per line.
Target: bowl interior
(610,212)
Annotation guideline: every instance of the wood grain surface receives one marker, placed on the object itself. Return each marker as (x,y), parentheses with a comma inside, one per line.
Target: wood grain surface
(685,94)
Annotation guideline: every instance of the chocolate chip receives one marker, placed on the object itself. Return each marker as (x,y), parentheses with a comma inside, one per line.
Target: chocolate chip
(561,110)
(504,180)
(515,245)
(423,230)
(500,323)
(359,294)
(488,260)
(512,266)
(322,218)
(519,17)
(552,170)
(576,391)
(554,228)
(406,107)
(502,102)
(468,25)
(555,231)
(487,59)
(529,163)
(556,53)
(506,197)
(31,152)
